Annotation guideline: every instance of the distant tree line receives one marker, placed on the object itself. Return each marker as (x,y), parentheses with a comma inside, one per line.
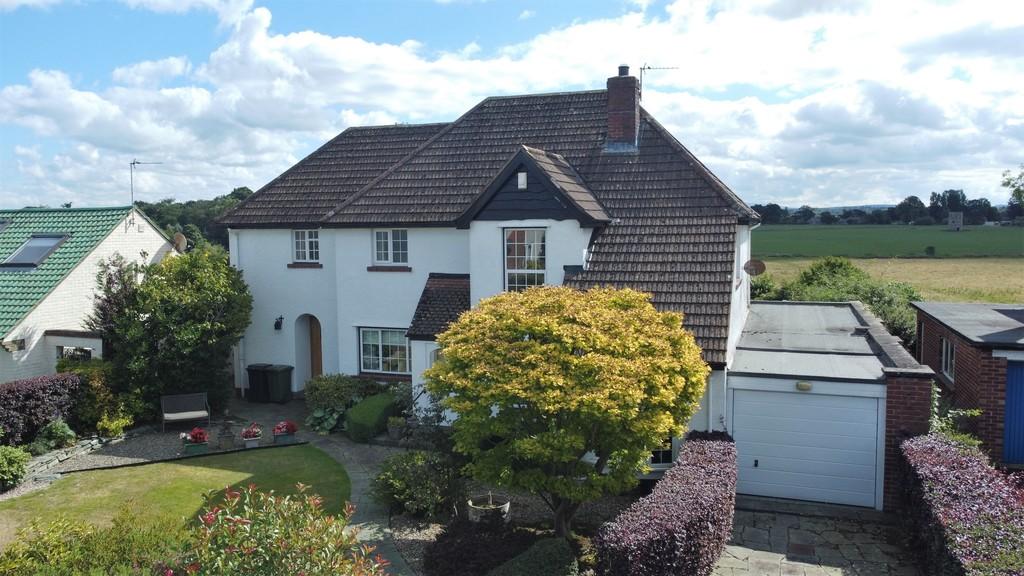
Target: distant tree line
(196,219)
(912,210)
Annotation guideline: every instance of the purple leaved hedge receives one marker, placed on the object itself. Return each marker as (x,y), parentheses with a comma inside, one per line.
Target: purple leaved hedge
(684,524)
(28,405)
(964,516)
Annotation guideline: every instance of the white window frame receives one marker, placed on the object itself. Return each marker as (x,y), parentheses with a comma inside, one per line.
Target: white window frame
(948,359)
(385,242)
(505,256)
(305,245)
(521,180)
(378,367)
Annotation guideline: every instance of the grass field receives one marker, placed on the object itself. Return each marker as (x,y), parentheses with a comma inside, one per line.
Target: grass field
(952,280)
(174,490)
(781,241)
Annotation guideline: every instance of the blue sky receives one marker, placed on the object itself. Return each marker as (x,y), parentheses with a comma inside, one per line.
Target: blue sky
(834,102)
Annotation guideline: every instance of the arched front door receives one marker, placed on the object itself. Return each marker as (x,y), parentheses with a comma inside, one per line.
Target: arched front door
(316,354)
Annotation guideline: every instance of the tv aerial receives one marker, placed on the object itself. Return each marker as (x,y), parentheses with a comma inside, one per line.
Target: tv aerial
(647,67)
(131,175)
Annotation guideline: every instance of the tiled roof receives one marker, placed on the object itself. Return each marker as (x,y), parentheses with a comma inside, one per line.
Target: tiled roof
(568,181)
(444,297)
(21,290)
(328,176)
(673,222)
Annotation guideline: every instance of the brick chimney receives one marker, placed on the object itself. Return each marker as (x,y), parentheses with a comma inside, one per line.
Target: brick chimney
(623,111)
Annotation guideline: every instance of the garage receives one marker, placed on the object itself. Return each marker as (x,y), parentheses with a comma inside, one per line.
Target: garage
(807,393)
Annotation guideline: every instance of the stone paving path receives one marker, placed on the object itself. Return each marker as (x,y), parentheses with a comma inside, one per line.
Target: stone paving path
(813,540)
(361,461)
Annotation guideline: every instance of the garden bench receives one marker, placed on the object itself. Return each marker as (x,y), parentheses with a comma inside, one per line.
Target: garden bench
(184,407)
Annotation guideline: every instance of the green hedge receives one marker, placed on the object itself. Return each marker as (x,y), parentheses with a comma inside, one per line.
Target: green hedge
(548,557)
(370,417)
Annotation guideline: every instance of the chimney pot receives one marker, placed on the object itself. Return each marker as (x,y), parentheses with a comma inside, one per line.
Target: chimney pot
(624,70)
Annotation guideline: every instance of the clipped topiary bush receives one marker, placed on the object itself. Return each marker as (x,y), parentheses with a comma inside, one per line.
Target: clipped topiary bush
(26,406)
(370,417)
(332,392)
(964,516)
(548,557)
(684,524)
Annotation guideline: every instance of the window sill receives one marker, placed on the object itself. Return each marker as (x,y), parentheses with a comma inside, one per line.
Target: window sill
(388,269)
(946,381)
(305,265)
(386,376)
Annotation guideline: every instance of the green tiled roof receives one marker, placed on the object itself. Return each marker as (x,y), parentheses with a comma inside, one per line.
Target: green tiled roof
(21,290)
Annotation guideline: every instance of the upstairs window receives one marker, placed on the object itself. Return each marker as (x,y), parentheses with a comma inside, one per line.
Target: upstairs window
(949,359)
(524,258)
(307,245)
(34,251)
(391,246)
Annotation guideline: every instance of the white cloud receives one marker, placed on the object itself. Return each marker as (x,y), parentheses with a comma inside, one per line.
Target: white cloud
(527,14)
(152,72)
(795,102)
(7,5)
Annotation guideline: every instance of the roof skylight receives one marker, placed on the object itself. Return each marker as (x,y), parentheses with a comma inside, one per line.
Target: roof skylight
(34,251)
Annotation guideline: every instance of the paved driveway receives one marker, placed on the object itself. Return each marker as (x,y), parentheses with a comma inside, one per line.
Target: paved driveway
(796,539)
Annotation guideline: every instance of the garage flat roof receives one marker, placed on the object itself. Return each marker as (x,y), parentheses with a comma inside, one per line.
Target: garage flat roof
(987,325)
(818,340)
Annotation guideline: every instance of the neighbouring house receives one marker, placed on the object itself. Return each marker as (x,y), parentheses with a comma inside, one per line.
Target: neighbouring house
(48,264)
(360,254)
(977,352)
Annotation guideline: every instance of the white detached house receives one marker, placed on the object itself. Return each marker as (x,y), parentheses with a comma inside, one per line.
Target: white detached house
(362,252)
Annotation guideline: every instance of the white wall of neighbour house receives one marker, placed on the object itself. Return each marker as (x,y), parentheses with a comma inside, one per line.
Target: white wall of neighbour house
(263,257)
(67,306)
(371,299)
(740,302)
(566,244)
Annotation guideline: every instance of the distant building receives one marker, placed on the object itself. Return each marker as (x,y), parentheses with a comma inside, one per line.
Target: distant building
(956,221)
(48,266)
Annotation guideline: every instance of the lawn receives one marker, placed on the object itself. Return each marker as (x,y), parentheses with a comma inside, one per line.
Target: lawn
(776,241)
(952,280)
(173,490)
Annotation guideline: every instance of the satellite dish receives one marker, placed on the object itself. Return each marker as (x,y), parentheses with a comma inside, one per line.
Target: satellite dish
(180,242)
(754,267)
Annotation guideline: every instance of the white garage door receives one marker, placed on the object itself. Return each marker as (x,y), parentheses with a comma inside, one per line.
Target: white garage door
(806,446)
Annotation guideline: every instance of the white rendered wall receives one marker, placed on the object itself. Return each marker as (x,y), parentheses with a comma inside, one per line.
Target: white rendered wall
(566,244)
(713,411)
(278,291)
(67,306)
(740,302)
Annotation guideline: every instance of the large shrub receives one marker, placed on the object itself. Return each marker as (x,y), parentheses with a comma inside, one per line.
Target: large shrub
(62,547)
(541,378)
(684,524)
(12,465)
(98,402)
(964,516)
(176,337)
(255,533)
(548,557)
(835,279)
(332,391)
(28,405)
(468,549)
(369,417)
(418,483)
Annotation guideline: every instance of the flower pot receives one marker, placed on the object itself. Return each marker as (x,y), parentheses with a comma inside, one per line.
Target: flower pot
(488,508)
(252,442)
(190,448)
(226,441)
(284,438)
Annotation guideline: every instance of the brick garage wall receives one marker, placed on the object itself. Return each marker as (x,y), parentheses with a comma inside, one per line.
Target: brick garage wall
(980,381)
(907,410)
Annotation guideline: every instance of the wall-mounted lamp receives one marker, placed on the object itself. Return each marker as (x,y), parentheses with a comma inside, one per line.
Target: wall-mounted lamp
(804,386)
(279,322)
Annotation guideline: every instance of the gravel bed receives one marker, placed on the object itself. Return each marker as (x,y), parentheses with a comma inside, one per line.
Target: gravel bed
(30,485)
(413,535)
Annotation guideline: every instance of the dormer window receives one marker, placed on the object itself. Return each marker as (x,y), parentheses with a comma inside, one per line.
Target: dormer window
(391,246)
(34,251)
(521,180)
(307,245)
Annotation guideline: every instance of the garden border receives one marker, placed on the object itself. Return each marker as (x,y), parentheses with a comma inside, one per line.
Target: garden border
(188,457)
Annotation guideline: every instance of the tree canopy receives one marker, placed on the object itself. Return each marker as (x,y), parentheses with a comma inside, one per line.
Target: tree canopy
(196,219)
(565,393)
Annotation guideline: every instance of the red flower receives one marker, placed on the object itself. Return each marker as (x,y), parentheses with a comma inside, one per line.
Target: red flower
(285,427)
(197,436)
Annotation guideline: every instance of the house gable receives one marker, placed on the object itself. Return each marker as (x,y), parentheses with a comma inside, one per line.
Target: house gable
(554,191)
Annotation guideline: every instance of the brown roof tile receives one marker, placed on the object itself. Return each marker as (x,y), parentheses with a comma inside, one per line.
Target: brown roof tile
(444,298)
